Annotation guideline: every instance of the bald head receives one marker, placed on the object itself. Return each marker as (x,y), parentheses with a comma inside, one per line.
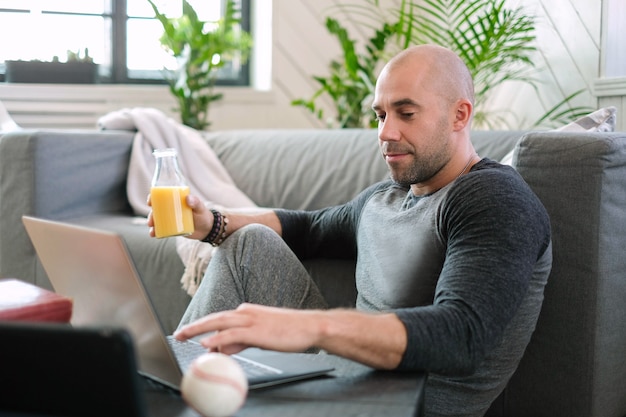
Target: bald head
(424,102)
(440,70)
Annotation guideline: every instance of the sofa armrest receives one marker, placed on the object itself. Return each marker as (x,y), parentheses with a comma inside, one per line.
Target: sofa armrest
(57,175)
(65,174)
(574,364)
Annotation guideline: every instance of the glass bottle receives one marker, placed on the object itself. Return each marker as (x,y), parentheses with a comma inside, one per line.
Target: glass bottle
(171,214)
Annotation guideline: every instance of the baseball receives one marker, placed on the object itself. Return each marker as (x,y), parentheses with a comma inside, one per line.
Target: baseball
(214,385)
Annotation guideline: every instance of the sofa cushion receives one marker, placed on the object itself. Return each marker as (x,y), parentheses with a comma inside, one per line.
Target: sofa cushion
(601,120)
(273,172)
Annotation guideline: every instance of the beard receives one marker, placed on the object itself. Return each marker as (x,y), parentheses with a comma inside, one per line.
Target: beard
(424,164)
(422,169)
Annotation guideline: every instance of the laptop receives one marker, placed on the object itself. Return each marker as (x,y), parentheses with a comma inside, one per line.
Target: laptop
(95,269)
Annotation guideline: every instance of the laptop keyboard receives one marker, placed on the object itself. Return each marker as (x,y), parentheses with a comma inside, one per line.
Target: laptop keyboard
(187,351)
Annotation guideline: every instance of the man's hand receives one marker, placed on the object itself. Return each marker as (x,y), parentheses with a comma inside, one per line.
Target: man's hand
(202,218)
(375,339)
(255,325)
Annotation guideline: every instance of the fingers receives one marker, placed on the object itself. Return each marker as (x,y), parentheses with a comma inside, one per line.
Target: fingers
(202,218)
(229,350)
(227,332)
(150,218)
(212,323)
(227,341)
(231,331)
(253,325)
(195,203)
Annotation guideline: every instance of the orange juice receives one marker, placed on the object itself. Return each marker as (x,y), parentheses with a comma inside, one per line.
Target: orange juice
(172,216)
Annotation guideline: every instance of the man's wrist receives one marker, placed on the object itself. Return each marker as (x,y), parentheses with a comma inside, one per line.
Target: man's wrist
(219,231)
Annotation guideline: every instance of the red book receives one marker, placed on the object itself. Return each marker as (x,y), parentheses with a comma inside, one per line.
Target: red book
(21,301)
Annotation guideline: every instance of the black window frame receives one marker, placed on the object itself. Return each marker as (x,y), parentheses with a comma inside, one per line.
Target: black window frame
(118,73)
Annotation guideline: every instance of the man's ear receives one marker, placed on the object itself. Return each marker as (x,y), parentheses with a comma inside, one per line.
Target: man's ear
(463,114)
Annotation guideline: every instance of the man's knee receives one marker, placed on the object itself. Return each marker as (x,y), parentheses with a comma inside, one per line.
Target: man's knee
(252,233)
(257,238)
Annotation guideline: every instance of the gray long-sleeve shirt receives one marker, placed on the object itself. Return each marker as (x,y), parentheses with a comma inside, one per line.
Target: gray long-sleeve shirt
(463,268)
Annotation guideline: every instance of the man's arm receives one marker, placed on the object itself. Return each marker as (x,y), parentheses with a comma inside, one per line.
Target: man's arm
(375,339)
(203,219)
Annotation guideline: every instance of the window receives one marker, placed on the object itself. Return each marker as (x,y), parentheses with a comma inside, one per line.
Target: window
(122,36)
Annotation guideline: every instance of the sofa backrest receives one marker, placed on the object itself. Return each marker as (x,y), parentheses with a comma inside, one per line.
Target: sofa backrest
(300,168)
(320,170)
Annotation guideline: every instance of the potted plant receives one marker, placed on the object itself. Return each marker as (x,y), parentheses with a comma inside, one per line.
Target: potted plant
(78,69)
(201,49)
(351,81)
(496,43)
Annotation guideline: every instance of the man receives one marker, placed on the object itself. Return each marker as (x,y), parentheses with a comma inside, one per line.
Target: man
(453,253)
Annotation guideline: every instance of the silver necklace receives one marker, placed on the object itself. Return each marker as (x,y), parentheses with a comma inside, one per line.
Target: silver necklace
(466,165)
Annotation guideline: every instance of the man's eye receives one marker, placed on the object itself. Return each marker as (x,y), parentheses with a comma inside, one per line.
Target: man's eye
(407,115)
(380,117)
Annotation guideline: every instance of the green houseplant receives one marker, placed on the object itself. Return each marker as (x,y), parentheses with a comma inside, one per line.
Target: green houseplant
(496,43)
(352,79)
(351,82)
(201,49)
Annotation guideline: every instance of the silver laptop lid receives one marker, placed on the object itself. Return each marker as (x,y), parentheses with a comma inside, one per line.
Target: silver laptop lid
(93,267)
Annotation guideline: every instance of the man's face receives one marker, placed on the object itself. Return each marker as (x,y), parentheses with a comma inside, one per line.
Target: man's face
(414,125)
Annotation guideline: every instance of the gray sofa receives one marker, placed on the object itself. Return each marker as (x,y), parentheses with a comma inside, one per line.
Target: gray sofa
(575,364)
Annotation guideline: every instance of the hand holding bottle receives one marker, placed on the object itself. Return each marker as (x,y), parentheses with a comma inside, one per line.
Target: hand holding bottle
(202,218)
(171,214)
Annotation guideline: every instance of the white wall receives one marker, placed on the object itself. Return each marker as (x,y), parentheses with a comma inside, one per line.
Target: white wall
(299,47)
(610,88)
(568,36)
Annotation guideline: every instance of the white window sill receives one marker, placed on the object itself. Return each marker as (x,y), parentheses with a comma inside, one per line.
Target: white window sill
(118,92)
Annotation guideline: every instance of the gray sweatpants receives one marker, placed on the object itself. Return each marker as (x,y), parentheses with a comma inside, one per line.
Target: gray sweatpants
(253,265)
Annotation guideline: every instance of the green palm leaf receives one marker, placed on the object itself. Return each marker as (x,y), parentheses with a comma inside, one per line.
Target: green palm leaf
(496,43)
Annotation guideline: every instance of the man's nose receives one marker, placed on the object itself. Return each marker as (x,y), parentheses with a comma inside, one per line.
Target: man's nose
(388,130)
